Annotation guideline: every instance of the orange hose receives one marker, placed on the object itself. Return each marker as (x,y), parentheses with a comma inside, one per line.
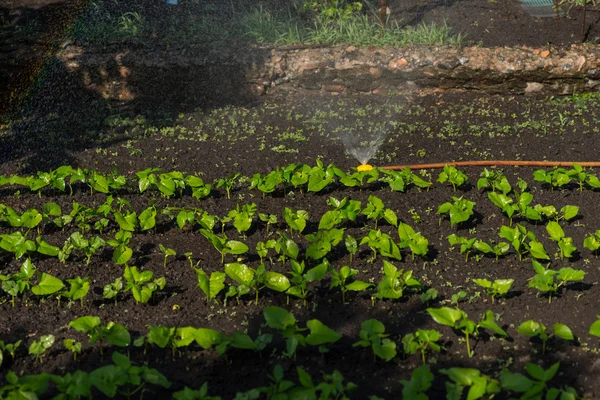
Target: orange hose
(490,163)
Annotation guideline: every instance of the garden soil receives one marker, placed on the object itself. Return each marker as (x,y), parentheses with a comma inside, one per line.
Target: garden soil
(64,125)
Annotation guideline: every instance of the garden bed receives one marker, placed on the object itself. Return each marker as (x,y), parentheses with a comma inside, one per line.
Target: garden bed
(244,140)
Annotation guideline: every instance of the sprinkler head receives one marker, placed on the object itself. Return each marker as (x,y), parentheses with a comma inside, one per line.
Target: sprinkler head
(364,167)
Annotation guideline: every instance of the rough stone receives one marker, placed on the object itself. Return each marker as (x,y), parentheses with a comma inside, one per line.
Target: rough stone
(533,87)
(333,87)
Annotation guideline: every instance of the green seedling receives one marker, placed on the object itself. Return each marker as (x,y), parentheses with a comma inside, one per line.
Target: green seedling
(428,295)
(223,245)
(374,210)
(78,289)
(250,279)
(269,219)
(524,242)
(279,387)
(351,245)
(452,175)
(382,243)
(141,285)
(284,321)
(124,378)
(8,348)
(519,207)
(358,178)
(322,242)
(242,217)
(16,388)
(320,177)
(54,179)
(122,253)
(494,180)
(73,386)
(421,341)
(566,213)
(545,280)
(191,394)
(147,178)
(344,210)
(88,247)
(417,243)
(166,251)
(300,176)
(73,346)
(111,290)
(536,386)
(321,335)
(200,189)
(17,244)
(47,285)
(210,286)
(296,220)
(285,247)
(421,380)
(497,288)
(340,278)
(372,334)
(394,283)
(333,387)
(240,340)
(460,210)
(592,242)
(39,347)
(560,177)
(479,385)
(228,183)
(20,282)
(565,244)
(268,183)
(301,280)
(459,320)
(113,333)
(468,245)
(147,219)
(128,220)
(163,336)
(533,329)
(400,180)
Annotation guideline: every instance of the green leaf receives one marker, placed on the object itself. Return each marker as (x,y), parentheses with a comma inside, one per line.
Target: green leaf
(555,231)
(563,331)
(515,382)
(235,247)
(445,315)
(320,334)
(595,327)
(117,335)
(278,318)
(160,335)
(240,273)
(85,324)
(207,338)
(276,281)
(47,284)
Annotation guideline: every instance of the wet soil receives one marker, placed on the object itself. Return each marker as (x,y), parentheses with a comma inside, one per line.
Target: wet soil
(64,123)
(279,131)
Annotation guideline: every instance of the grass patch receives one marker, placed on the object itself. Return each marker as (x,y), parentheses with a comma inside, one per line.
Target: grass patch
(290,25)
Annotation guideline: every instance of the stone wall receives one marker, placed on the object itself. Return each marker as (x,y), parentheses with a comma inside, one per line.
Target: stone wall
(350,69)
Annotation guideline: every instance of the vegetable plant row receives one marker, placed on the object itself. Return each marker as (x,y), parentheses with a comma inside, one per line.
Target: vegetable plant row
(292,177)
(448,276)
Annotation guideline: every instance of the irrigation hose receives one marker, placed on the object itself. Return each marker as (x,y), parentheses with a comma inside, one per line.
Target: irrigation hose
(485,163)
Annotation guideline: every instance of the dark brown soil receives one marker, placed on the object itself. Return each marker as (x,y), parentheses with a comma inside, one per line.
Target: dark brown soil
(454,120)
(63,123)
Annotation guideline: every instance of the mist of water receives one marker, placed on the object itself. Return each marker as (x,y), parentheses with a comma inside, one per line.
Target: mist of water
(362,146)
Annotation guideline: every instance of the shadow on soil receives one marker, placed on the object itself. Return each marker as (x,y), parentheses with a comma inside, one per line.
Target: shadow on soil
(60,109)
